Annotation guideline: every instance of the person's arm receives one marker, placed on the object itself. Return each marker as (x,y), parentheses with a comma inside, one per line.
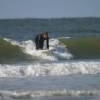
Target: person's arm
(48,43)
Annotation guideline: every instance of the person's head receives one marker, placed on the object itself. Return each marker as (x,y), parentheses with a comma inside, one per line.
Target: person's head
(45,35)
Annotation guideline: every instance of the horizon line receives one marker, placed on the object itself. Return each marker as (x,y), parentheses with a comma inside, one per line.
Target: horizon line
(49,17)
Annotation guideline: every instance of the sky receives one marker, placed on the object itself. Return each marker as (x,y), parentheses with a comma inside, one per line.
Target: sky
(49,8)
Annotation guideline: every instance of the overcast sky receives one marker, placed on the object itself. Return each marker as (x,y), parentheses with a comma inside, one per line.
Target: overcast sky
(49,8)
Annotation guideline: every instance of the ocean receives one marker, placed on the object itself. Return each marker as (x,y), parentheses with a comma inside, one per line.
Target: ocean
(54,74)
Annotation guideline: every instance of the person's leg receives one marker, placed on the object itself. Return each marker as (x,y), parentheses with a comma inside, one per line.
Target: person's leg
(41,45)
(37,47)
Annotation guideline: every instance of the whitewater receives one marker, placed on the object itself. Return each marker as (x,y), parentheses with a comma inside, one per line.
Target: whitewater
(55,61)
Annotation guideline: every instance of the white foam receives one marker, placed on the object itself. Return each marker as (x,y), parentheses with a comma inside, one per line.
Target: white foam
(75,93)
(52,66)
(57,51)
(49,69)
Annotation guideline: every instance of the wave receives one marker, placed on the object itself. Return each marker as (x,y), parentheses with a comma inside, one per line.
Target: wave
(11,53)
(56,52)
(23,94)
(62,48)
(46,62)
(49,69)
(83,48)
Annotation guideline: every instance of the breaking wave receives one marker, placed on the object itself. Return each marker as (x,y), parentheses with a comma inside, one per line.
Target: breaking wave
(56,52)
(75,93)
(49,69)
(49,62)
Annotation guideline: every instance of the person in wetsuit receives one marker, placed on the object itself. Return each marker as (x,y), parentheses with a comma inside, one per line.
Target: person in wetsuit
(39,40)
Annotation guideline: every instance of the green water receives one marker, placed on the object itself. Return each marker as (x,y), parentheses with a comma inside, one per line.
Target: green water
(11,53)
(83,48)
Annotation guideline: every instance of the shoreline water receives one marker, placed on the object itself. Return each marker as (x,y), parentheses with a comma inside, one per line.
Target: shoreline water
(72,86)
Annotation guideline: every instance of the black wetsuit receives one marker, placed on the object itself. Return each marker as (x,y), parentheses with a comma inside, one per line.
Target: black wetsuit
(39,41)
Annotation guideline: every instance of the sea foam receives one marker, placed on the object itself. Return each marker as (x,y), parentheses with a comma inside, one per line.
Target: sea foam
(49,69)
(23,94)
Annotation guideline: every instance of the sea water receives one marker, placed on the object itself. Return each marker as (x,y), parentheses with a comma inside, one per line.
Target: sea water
(54,74)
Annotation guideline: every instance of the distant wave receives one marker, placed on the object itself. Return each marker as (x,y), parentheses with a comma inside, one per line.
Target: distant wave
(49,69)
(76,93)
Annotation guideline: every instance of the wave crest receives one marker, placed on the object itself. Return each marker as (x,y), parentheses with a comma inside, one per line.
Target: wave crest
(56,52)
(49,69)
(76,93)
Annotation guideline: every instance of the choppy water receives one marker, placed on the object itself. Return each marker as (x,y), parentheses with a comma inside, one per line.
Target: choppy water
(25,29)
(47,75)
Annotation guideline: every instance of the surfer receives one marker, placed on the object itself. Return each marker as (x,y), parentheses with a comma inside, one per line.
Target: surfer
(39,40)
